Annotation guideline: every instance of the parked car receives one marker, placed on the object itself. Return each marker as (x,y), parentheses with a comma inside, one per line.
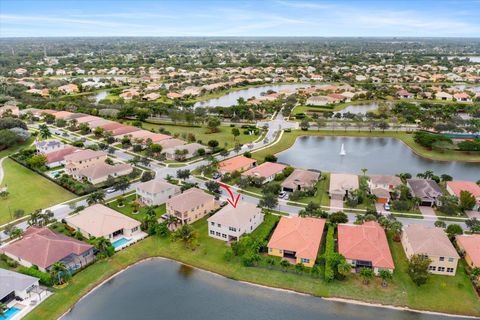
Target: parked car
(216,176)
(165,216)
(282,195)
(386,206)
(111,190)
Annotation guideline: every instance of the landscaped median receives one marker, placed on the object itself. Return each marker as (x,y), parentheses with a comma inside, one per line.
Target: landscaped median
(441,293)
(288,139)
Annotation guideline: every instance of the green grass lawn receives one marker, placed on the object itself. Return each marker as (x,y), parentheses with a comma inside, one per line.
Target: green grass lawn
(16,148)
(441,293)
(200,132)
(128,209)
(321,197)
(288,139)
(28,191)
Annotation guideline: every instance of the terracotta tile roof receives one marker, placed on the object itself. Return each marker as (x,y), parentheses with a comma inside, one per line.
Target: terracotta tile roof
(265,170)
(100,221)
(431,241)
(43,247)
(103,170)
(458,186)
(59,155)
(366,242)
(236,163)
(112,126)
(471,245)
(301,235)
(170,143)
(84,155)
(189,199)
(390,180)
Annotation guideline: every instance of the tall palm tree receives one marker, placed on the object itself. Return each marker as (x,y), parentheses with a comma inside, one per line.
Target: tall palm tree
(102,244)
(366,274)
(386,276)
(344,268)
(364,171)
(3,307)
(44,131)
(59,272)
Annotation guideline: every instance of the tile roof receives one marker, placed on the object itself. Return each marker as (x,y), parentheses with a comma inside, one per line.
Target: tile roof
(100,221)
(84,155)
(156,186)
(301,235)
(43,247)
(265,170)
(238,217)
(103,169)
(301,177)
(424,188)
(366,242)
(14,281)
(458,186)
(189,199)
(235,163)
(471,245)
(429,240)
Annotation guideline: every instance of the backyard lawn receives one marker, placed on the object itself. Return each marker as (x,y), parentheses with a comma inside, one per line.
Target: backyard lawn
(288,139)
(28,191)
(321,196)
(223,136)
(9,151)
(127,209)
(441,293)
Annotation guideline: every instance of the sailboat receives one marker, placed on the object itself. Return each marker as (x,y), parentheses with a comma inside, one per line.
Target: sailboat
(342,150)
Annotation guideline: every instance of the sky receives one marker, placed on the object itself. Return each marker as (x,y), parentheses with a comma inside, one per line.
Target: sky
(341,18)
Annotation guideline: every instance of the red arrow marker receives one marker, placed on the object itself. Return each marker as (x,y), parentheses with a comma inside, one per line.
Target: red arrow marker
(233,201)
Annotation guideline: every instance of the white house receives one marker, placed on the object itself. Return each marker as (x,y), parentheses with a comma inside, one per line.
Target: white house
(230,223)
(156,192)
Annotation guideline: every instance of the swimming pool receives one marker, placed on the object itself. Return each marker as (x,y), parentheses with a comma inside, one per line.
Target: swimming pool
(120,242)
(9,313)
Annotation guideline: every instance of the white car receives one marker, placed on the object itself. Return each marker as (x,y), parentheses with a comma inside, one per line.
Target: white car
(386,206)
(282,195)
(111,190)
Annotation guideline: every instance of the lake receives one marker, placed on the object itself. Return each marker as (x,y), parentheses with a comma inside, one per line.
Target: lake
(379,155)
(231,98)
(164,289)
(359,108)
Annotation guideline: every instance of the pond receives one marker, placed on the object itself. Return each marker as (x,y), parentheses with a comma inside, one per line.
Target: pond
(231,98)
(379,155)
(359,108)
(162,289)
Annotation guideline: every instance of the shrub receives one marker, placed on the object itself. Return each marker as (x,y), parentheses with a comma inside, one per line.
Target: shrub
(45,278)
(329,252)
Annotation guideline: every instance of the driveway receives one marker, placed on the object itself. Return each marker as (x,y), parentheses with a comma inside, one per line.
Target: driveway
(336,204)
(470,214)
(427,211)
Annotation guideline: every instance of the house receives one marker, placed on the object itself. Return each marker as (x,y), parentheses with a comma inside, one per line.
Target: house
(381,186)
(404,94)
(469,245)
(100,172)
(100,221)
(16,286)
(170,143)
(365,246)
(300,179)
(42,247)
(456,187)
(267,170)
(191,205)
(151,96)
(156,192)
(463,97)
(341,184)
(432,242)
(428,191)
(443,96)
(57,158)
(69,88)
(83,159)
(13,109)
(183,152)
(230,223)
(318,101)
(297,239)
(174,95)
(47,146)
(238,163)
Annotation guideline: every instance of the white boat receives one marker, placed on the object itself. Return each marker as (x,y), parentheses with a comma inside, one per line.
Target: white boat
(342,150)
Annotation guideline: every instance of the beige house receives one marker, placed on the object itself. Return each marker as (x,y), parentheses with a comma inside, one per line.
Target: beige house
(230,223)
(156,192)
(101,221)
(433,243)
(191,205)
(341,184)
(183,152)
(101,171)
(83,159)
(300,180)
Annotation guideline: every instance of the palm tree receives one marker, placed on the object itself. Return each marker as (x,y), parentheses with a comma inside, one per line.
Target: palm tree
(185,234)
(386,276)
(44,131)
(3,307)
(366,274)
(59,272)
(364,171)
(344,268)
(284,264)
(96,197)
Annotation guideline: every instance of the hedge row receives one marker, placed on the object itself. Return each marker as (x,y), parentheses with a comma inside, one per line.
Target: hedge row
(329,253)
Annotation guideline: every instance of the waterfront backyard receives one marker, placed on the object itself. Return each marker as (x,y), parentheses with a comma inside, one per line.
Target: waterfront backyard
(441,293)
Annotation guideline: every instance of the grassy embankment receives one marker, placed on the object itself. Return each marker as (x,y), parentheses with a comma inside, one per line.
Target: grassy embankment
(441,293)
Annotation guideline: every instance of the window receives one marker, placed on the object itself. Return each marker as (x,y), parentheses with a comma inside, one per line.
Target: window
(224,236)
(270,249)
(304,260)
(212,223)
(451,259)
(442,259)
(432,268)
(441,269)
(219,225)
(217,234)
(232,229)
(450,270)
(212,232)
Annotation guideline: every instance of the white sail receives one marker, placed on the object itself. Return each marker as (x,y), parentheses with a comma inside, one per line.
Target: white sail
(342,150)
